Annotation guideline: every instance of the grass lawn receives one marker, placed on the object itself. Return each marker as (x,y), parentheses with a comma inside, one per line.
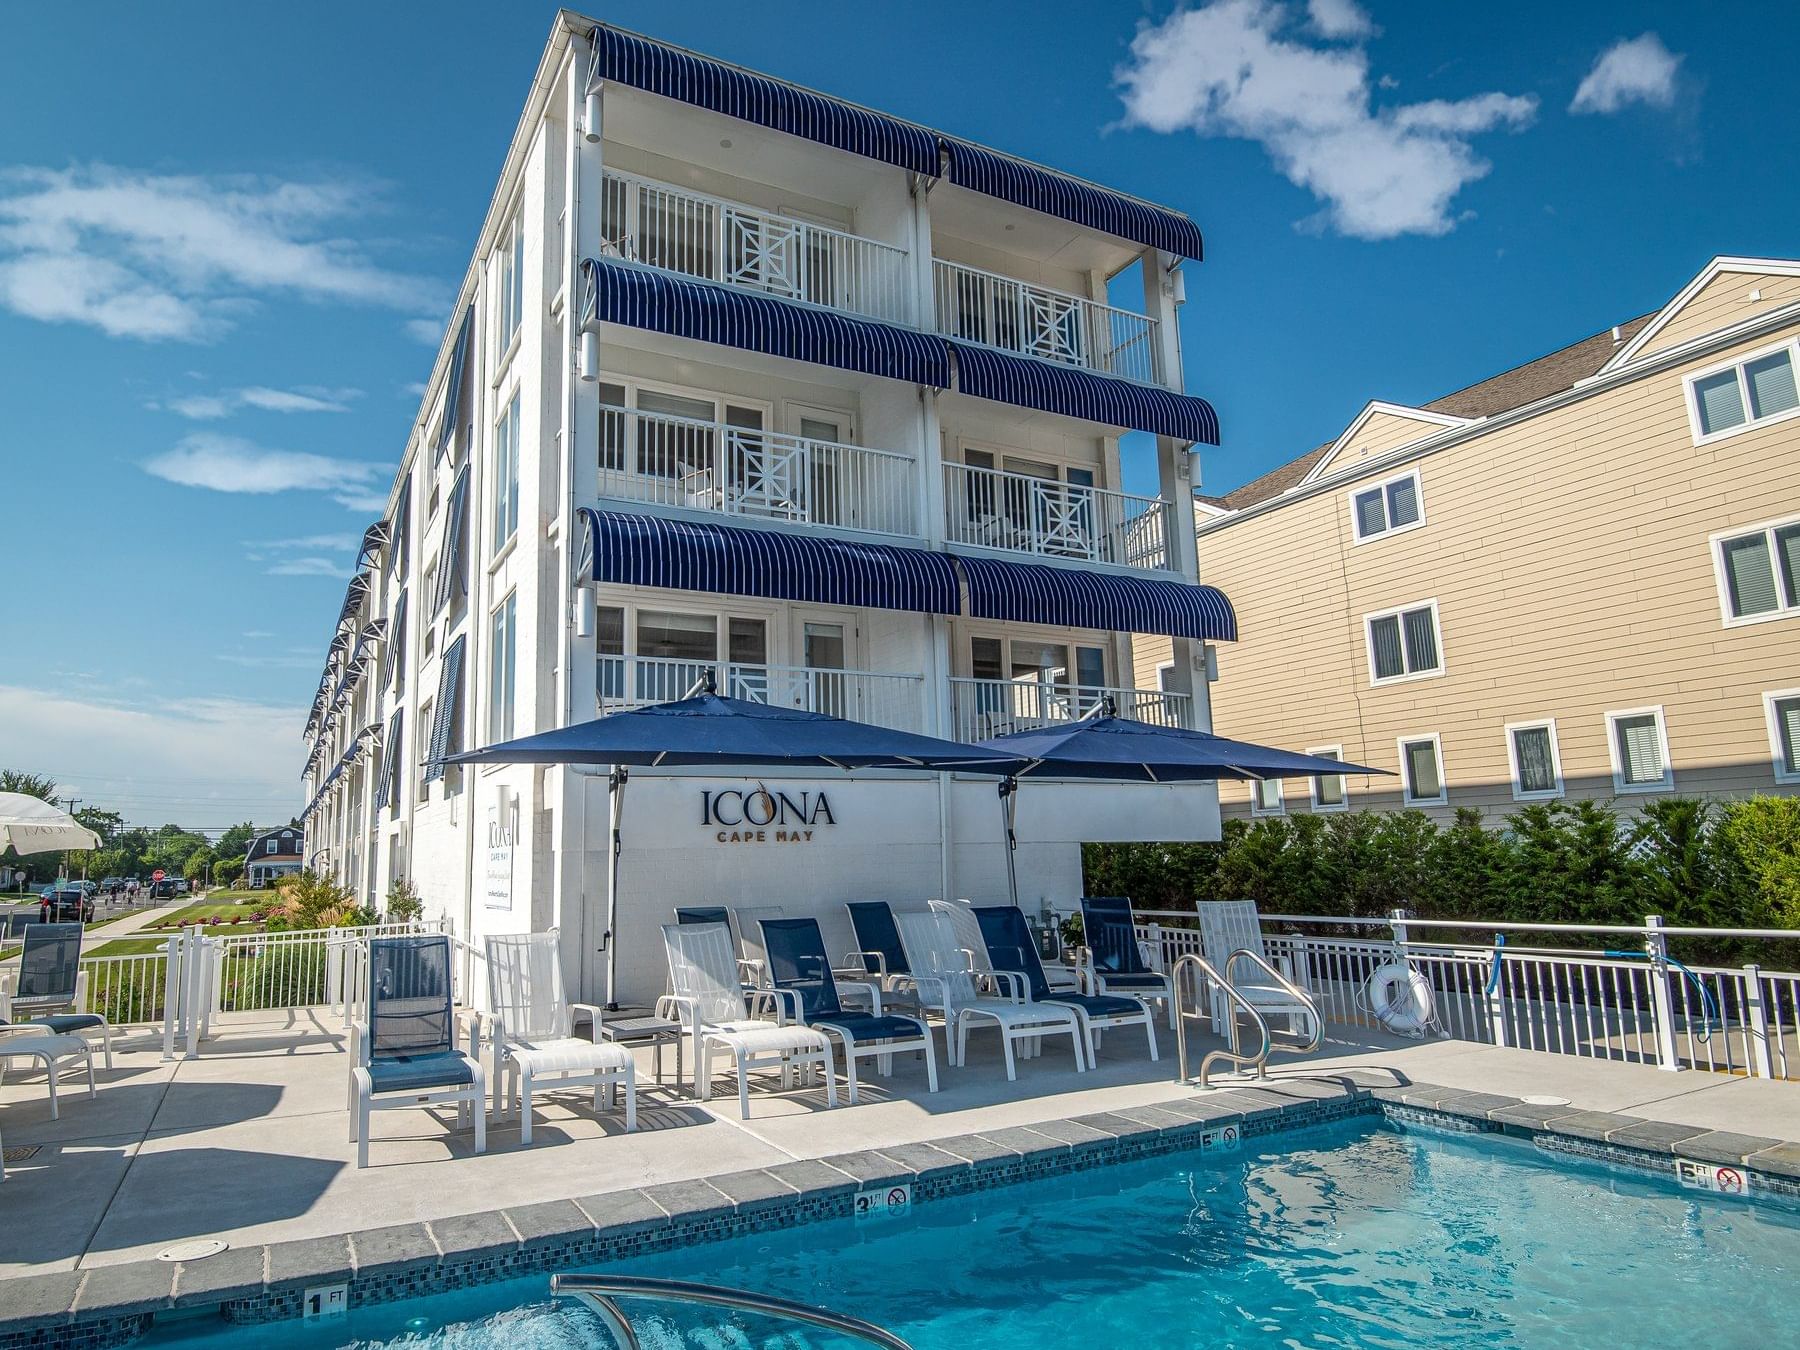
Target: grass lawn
(137,945)
(209,910)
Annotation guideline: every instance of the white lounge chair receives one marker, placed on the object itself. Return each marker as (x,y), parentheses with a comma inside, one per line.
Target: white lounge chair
(941,975)
(530,1024)
(55,1052)
(968,936)
(49,987)
(706,997)
(1231,926)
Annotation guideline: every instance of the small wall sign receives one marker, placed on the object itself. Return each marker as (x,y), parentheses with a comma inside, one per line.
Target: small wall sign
(1714,1177)
(325,1300)
(885,1202)
(1225,1139)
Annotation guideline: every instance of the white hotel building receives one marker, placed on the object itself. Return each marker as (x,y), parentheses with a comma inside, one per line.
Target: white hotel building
(744,377)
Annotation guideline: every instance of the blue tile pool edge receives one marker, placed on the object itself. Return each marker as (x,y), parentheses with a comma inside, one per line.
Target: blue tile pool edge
(112,1305)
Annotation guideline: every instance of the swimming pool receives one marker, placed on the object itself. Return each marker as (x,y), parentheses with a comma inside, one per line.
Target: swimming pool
(1357,1233)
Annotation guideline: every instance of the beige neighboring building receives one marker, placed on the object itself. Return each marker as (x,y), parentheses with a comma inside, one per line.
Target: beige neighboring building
(1580,578)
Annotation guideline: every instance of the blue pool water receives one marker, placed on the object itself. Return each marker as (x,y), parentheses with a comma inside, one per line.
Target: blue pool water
(1358,1234)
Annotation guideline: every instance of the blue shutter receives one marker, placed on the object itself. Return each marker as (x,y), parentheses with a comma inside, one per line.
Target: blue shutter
(385,792)
(460,357)
(452,572)
(446,717)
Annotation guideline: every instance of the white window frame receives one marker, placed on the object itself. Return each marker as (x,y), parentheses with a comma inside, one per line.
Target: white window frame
(1437,749)
(503,667)
(1356,534)
(1256,806)
(1737,363)
(632,386)
(1312,788)
(1512,759)
(1398,612)
(1716,543)
(506,477)
(1775,754)
(963,662)
(509,288)
(1620,786)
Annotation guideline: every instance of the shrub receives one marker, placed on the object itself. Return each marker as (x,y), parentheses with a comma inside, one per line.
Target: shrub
(403,903)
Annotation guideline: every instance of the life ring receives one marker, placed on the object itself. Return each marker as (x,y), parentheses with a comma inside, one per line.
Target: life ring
(1401,999)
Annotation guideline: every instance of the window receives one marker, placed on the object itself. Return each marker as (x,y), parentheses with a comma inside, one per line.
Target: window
(512,282)
(1784,733)
(653,656)
(1759,572)
(1328,790)
(675,436)
(424,725)
(1536,768)
(1265,797)
(1745,394)
(1403,644)
(506,475)
(269,847)
(1421,770)
(503,652)
(1639,747)
(1386,508)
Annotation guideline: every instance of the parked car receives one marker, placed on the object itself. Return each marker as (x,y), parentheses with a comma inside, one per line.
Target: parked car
(66,904)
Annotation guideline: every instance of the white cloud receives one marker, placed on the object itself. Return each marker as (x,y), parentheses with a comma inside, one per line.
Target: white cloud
(428,331)
(310,567)
(204,761)
(211,407)
(198,407)
(232,464)
(413,389)
(309,543)
(180,257)
(1632,70)
(1227,69)
(1339,19)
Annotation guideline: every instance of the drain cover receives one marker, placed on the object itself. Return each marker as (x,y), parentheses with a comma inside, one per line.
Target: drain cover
(22,1152)
(1545,1101)
(197,1250)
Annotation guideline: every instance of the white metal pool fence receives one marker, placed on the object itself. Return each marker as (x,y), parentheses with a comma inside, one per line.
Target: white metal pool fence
(1629,1002)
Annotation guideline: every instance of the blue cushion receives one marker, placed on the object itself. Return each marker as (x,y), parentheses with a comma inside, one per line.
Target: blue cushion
(416,1073)
(1099,1005)
(63,1023)
(1158,983)
(868,1027)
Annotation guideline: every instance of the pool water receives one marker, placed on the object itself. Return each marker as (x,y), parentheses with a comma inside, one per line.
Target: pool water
(1355,1234)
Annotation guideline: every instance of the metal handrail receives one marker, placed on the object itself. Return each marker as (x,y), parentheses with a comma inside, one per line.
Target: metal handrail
(601,1292)
(1292,990)
(1182,1013)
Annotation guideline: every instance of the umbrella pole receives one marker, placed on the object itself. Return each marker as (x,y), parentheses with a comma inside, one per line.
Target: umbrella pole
(615,806)
(1009,788)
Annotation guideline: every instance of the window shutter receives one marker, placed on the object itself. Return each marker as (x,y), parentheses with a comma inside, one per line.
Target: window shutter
(395,660)
(1787,726)
(1384,633)
(1640,749)
(1370,517)
(448,713)
(1403,501)
(1771,381)
(1421,640)
(385,794)
(452,573)
(1720,401)
(1749,575)
(402,530)
(1531,748)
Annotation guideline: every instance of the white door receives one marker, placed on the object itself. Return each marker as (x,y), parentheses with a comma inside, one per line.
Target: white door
(825,644)
(826,478)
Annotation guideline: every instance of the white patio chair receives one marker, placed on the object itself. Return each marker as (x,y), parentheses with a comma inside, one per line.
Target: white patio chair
(55,1052)
(706,998)
(1228,926)
(969,938)
(530,1024)
(49,988)
(941,975)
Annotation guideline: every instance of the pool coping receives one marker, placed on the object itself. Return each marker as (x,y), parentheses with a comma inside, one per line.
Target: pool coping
(111,1305)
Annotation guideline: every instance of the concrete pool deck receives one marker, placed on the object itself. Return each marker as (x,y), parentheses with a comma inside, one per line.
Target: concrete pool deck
(249,1143)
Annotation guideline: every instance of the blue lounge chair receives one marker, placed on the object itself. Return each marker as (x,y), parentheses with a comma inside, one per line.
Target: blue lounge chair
(701,914)
(800,976)
(881,951)
(1011,949)
(406,1053)
(50,984)
(1115,959)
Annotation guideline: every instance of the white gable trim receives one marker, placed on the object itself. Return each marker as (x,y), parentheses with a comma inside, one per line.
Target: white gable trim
(1431,419)
(1780,267)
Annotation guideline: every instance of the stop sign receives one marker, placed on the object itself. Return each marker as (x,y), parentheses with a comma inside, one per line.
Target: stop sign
(157,875)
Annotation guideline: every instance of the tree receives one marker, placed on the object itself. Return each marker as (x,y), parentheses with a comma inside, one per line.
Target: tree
(403,903)
(106,824)
(235,842)
(31,784)
(194,869)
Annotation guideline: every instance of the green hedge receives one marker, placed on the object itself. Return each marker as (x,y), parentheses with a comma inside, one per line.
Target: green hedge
(1696,863)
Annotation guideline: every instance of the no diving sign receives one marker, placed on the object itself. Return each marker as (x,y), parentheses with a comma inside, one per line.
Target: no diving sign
(885,1202)
(1700,1176)
(1224,1139)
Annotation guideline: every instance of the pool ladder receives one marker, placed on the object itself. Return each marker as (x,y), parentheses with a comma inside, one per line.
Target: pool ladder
(603,1292)
(1207,976)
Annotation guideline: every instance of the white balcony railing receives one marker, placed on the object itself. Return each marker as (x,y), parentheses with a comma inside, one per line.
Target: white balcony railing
(1018,316)
(993,508)
(982,709)
(885,700)
(741,471)
(682,231)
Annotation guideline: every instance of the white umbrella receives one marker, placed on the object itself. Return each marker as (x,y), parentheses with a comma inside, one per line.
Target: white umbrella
(32,825)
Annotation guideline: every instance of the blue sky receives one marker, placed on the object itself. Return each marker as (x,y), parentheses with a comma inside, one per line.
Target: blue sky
(223,237)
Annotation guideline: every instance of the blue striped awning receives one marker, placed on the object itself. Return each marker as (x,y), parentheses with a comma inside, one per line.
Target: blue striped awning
(735,92)
(637,297)
(1056,194)
(1067,597)
(632,550)
(459,371)
(1027,382)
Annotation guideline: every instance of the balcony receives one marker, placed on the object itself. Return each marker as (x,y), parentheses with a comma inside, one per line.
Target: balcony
(1072,330)
(895,701)
(996,508)
(981,709)
(677,230)
(764,475)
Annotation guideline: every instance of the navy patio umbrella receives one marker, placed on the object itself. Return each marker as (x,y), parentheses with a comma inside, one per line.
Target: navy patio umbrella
(1104,746)
(707,729)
